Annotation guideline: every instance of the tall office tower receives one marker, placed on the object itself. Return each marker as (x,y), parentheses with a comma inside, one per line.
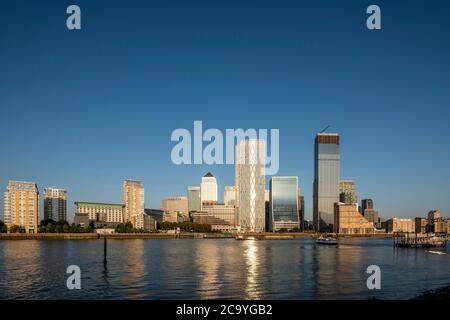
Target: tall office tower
(194,199)
(326,180)
(250,185)
(347,192)
(366,204)
(55,204)
(229,196)
(301,210)
(208,188)
(21,205)
(133,201)
(283,203)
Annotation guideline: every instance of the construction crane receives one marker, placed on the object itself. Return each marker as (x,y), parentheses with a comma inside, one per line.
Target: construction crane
(325,129)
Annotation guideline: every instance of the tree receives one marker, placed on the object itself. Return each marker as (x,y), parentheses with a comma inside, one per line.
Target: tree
(3,227)
(14,229)
(46,222)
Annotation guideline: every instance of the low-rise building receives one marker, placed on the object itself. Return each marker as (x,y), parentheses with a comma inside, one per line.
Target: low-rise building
(439,226)
(215,223)
(155,214)
(81,219)
(434,215)
(348,220)
(101,212)
(222,211)
(400,225)
(150,222)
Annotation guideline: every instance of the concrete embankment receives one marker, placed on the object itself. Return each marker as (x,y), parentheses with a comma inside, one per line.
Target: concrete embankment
(183,235)
(48,236)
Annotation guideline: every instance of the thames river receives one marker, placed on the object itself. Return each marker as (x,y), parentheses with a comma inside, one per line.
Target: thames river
(217,269)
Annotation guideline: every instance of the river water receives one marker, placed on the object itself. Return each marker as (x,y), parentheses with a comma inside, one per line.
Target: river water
(217,269)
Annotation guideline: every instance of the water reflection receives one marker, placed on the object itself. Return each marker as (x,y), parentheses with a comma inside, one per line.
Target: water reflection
(21,269)
(252,261)
(133,266)
(216,269)
(208,263)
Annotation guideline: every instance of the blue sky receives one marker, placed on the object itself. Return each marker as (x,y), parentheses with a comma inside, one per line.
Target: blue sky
(83,110)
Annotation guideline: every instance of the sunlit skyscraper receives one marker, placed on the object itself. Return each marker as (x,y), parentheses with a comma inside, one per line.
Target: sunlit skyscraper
(250,185)
(133,201)
(208,188)
(326,180)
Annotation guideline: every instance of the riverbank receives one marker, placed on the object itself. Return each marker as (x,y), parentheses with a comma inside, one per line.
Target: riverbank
(183,235)
(48,236)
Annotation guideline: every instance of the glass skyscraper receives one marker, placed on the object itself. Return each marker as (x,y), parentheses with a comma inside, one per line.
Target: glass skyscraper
(326,180)
(283,211)
(194,202)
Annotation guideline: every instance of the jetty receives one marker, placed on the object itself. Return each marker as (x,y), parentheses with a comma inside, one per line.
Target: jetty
(406,240)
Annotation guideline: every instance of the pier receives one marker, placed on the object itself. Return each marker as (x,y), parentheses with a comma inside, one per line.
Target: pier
(406,240)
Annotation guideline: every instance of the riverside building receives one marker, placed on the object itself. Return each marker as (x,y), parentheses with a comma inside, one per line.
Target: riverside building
(55,204)
(134,203)
(21,205)
(326,179)
(250,185)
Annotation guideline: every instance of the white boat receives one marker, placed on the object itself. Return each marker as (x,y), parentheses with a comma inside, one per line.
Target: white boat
(242,237)
(326,241)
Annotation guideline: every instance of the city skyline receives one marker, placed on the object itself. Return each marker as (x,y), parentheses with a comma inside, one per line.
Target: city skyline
(68,110)
(197,187)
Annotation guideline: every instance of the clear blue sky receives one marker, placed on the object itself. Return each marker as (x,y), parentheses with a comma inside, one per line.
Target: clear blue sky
(84,110)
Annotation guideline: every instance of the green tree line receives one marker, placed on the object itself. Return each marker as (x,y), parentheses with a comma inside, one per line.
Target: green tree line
(51,226)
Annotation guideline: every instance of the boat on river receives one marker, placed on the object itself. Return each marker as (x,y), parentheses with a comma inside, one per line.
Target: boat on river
(326,241)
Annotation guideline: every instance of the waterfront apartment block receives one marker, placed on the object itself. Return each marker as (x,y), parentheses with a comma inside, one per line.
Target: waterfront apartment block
(134,203)
(250,185)
(21,205)
(400,225)
(347,192)
(55,204)
(194,199)
(326,179)
(283,203)
(222,211)
(101,212)
(348,220)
